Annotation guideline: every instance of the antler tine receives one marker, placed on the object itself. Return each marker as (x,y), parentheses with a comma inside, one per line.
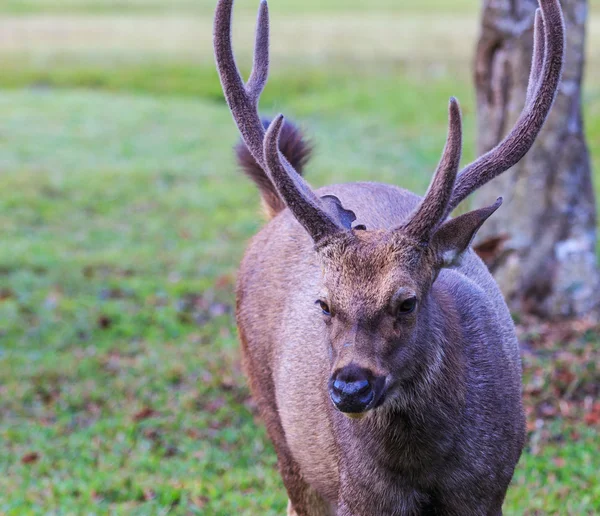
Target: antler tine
(260,65)
(431,210)
(295,191)
(243,99)
(537,62)
(520,139)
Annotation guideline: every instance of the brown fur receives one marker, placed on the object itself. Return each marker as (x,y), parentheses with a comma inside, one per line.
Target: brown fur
(422,436)
(382,356)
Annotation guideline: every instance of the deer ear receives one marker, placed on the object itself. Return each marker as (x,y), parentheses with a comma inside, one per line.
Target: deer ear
(454,237)
(341,215)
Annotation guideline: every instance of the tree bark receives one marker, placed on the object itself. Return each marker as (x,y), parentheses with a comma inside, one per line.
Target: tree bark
(541,244)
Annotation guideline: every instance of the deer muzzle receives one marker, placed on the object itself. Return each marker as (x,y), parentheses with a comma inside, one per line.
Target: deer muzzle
(355,390)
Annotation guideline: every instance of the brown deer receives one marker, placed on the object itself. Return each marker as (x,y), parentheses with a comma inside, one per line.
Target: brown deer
(378,347)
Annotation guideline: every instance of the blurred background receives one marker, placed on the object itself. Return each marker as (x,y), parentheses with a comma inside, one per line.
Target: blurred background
(123,219)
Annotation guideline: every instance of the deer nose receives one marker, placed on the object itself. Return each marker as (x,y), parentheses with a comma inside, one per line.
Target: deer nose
(351,390)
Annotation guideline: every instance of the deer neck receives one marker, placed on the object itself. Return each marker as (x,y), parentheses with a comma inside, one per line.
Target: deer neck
(416,428)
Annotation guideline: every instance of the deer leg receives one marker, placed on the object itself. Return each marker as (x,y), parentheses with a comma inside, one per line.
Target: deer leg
(303,499)
(290,510)
(316,507)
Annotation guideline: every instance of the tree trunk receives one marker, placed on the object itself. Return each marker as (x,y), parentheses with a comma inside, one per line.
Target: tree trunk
(541,244)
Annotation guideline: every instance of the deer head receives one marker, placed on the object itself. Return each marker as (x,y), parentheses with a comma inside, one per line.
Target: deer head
(376,297)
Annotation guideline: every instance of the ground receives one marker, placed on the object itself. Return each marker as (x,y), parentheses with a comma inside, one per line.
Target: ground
(123,220)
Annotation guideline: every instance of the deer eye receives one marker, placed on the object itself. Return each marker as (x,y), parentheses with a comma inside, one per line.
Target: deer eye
(323,306)
(407,306)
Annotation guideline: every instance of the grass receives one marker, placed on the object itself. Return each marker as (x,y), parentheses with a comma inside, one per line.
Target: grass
(207,6)
(123,220)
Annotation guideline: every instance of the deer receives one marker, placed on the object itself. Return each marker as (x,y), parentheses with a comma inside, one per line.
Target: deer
(378,348)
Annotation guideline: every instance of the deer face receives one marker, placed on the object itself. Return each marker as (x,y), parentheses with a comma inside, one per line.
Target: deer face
(374,304)
(376,308)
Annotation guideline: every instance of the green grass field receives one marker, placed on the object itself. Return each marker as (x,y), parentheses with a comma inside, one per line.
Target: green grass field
(207,6)
(123,221)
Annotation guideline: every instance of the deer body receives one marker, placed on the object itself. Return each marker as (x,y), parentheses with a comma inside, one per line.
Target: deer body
(394,462)
(380,352)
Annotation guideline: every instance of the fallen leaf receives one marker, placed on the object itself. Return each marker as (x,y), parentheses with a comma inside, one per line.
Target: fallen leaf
(224,282)
(200,501)
(104,322)
(149,494)
(145,413)
(6,293)
(489,250)
(592,418)
(30,457)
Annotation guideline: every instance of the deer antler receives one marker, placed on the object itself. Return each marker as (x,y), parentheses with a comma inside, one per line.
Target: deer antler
(433,207)
(321,217)
(297,194)
(545,76)
(539,53)
(243,98)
